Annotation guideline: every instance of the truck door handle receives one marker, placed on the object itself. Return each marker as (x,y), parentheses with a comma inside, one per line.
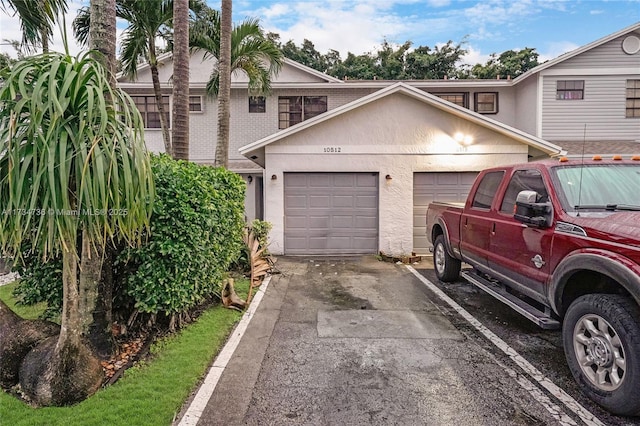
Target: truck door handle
(493,228)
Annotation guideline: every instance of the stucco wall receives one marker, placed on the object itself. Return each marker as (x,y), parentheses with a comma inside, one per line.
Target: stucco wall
(396,135)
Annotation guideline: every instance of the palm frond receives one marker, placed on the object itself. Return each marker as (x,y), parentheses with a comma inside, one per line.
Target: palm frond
(72,157)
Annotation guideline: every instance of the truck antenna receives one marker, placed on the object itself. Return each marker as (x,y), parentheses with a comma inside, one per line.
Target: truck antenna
(584,141)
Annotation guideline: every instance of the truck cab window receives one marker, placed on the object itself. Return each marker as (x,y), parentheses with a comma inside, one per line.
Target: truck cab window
(487,190)
(523,180)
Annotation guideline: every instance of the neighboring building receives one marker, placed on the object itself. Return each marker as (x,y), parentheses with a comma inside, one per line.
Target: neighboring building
(348,167)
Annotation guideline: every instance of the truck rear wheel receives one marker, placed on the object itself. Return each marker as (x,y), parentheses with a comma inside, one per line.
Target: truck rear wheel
(447,268)
(601,335)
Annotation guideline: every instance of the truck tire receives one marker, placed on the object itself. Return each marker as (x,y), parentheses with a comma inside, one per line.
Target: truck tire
(447,268)
(601,336)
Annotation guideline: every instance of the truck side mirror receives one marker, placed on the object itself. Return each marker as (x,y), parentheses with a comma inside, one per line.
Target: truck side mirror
(530,211)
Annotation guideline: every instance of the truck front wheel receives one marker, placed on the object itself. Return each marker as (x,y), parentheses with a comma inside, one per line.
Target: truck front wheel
(601,335)
(447,268)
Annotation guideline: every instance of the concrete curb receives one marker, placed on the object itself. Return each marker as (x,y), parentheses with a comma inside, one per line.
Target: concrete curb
(199,402)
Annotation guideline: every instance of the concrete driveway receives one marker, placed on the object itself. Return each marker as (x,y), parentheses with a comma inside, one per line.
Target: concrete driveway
(351,341)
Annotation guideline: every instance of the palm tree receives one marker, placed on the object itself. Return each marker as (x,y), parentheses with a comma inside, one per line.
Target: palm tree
(36,22)
(72,160)
(251,52)
(180,131)
(96,283)
(224,95)
(149,20)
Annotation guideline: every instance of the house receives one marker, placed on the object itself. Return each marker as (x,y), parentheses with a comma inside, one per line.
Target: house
(348,167)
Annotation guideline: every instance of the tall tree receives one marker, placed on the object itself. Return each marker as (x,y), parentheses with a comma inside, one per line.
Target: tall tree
(96,283)
(148,21)
(72,156)
(36,22)
(180,113)
(224,94)
(252,53)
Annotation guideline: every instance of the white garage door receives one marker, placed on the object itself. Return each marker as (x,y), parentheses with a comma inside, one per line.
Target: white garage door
(331,213)
(428,187)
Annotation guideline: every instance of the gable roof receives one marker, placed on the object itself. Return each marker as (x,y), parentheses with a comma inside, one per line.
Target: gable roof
(167,58)
(255,150)
(578,51)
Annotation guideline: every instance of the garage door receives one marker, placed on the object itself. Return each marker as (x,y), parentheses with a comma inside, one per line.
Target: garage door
(331,213)
(428,187)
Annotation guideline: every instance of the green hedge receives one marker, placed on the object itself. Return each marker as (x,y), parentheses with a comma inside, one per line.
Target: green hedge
(196,233)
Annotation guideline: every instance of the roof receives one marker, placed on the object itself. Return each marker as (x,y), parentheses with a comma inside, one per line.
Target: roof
(255,150)
(604,148)
(578,51)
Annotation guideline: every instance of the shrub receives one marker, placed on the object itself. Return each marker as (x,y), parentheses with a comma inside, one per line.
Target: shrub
(196,232)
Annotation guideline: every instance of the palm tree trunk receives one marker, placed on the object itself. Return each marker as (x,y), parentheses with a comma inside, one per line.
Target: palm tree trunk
(157,91)
(180,128)
(96,288)
(224,95)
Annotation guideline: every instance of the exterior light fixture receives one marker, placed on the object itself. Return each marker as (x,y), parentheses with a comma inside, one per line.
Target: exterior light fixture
(388,177)
(249,178)
(274,177)
(463,139)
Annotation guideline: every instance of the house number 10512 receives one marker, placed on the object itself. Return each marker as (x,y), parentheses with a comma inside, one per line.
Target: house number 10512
(332,149)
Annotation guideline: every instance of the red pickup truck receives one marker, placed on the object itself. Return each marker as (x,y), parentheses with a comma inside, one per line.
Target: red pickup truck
(559,241)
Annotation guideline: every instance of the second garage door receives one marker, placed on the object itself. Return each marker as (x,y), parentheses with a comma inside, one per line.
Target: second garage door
(428,187)
(331,213)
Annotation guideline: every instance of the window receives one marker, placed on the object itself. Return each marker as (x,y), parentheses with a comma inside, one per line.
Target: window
(295,109)
(460,99)
(486,102)
(195,103)
(633,99)
(487,190)
(149,110)
(257,104)
(569,90)
(523,180)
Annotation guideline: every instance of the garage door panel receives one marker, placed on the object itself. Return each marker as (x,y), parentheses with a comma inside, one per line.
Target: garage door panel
(339,201)
(367,201)
(339,214)
(435,186)
(338,221)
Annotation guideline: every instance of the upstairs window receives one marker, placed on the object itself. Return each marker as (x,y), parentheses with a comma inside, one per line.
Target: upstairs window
(487,188)
(149,110)
(195,103)
(257,104)
(296,109)
(633,99)
(461,99)
(486,102)
(569,90)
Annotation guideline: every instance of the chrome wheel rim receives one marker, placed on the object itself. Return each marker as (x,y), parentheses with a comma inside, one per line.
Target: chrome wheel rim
(599,352)
(439,258)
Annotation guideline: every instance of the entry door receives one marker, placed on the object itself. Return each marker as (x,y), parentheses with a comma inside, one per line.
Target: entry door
(331,213)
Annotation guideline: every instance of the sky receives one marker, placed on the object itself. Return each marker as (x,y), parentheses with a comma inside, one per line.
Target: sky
(552,27)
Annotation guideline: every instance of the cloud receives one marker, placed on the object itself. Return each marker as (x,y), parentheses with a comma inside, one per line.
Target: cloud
(555,49)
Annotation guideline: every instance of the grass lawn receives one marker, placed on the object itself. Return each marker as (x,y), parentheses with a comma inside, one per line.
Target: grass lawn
(148,394)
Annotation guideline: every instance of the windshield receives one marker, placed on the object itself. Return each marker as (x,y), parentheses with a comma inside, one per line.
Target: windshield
(606,186)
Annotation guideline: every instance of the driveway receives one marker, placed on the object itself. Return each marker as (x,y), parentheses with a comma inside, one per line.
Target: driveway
(350,341)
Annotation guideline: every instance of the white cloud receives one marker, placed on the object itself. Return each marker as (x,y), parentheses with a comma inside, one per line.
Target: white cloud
(10,30)
(555,49)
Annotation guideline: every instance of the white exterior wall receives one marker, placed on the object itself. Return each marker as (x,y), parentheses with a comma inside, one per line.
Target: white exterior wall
(396,135)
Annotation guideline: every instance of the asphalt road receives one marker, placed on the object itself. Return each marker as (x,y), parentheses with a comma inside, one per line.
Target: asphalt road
(542,348)
(356,341)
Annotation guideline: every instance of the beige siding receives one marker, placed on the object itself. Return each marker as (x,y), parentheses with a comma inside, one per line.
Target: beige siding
(602,111)
(608,56)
